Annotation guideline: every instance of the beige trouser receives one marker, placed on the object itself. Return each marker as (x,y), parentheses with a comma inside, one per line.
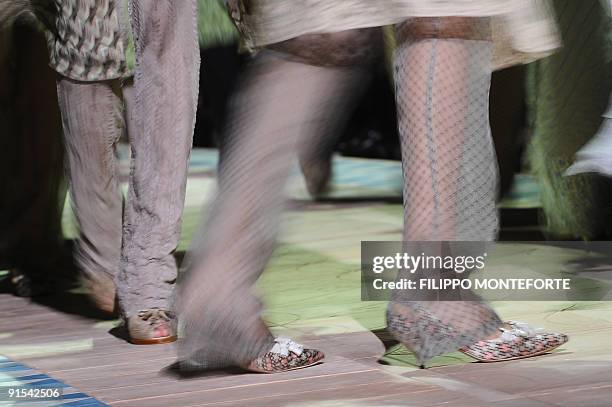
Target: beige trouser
(281,109)
(158,110)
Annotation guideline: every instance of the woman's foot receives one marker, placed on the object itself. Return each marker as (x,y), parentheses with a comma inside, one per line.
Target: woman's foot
(285,355)
(516,340)
(152,326)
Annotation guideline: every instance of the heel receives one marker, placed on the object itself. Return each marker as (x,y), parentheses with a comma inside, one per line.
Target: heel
(421,332)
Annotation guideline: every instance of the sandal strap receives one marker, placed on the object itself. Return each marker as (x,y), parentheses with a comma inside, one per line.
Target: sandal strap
(524,329)
(283,346)
(154,315)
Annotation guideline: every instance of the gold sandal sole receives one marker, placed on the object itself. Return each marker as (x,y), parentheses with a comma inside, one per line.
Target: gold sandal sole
(153,341)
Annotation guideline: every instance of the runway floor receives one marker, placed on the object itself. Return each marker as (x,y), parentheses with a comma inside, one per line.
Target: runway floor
(311,291)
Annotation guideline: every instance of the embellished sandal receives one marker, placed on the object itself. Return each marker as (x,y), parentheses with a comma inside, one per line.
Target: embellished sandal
(152,326)
(284,356)
(517,342)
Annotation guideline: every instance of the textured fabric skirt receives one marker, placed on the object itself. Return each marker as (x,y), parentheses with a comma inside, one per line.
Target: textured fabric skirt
(522,30)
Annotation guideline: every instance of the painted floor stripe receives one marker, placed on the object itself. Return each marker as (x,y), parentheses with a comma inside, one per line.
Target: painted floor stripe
(34,380)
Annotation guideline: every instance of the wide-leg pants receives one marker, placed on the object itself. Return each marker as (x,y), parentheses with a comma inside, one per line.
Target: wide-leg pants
(158,110)
(280,110)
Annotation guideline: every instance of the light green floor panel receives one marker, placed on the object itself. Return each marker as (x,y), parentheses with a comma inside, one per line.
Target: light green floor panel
(312,284)
(311,291)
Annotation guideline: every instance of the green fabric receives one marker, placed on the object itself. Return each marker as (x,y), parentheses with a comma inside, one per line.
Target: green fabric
(567,93)
(214,24)
(130,52)
(215,28)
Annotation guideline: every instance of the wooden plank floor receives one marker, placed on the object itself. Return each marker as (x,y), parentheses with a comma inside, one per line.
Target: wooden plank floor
(84,356)
(312,293)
